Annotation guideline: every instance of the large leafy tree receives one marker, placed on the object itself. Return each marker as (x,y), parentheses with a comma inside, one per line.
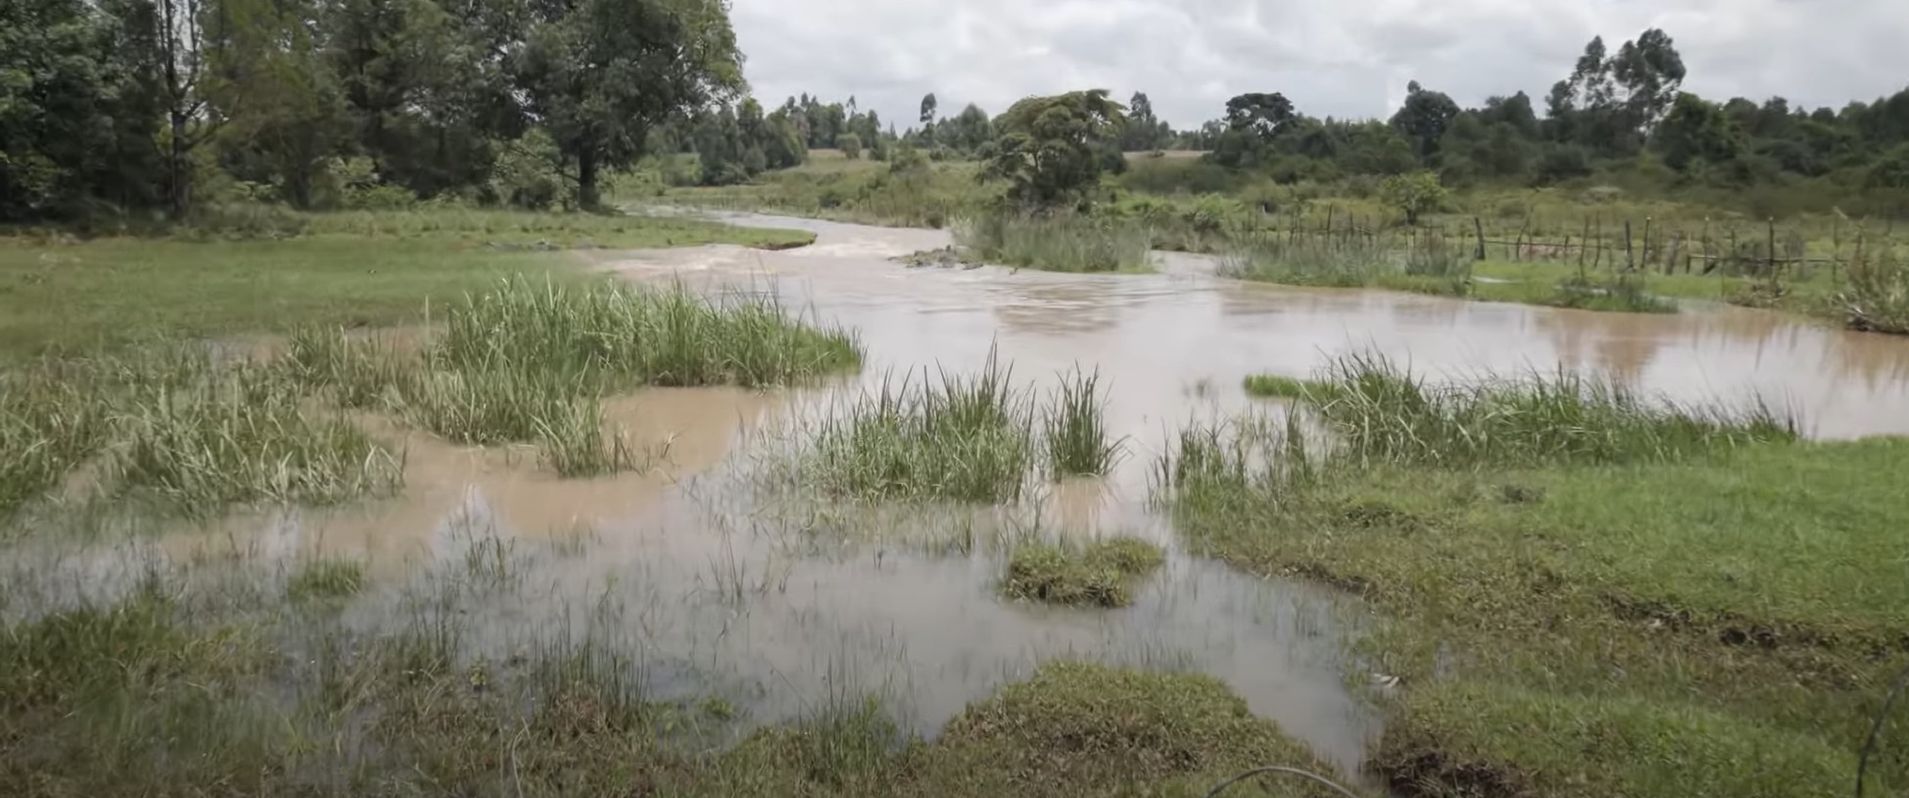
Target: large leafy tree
(78,114)
(1697,130)
(1610,103)
(1144,131)
(1052,150)
(599,74)
(1424,119)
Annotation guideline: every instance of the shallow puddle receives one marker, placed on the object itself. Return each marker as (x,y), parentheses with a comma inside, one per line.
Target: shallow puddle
(722,582)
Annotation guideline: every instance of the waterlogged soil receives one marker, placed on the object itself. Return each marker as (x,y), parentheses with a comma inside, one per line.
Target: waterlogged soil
(723,575)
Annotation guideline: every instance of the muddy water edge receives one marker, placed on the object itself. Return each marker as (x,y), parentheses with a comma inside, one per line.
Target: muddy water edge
(715,574)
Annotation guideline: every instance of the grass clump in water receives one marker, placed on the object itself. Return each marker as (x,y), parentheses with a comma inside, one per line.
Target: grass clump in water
(529,362)
(1284,387)
(628,336)
(1381,412)
(573,443)
(1060,243)
(962,439)
(1100,574)
(243,438)
(1076,429)
(326,579)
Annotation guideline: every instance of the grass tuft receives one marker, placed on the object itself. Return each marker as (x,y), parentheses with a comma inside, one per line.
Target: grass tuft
(49,424)
(1076,428)
(961,438)
(326,579)
(1081,729)
(1100,574)
(243,438)
(1284,387)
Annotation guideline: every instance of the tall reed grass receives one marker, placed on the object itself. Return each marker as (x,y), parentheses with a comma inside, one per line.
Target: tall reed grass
(1304,260)
(530,361)
(51,419)
(1061,242)
(958,438)
(962,438)
(1875,297)
(1074,424)
(243,438)
(1380,412)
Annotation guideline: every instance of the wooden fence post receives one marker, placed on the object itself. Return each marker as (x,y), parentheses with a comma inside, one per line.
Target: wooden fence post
(1630,256)
(1479,226)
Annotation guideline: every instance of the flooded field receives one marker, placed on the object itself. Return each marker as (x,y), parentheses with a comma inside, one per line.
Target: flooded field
(723,573)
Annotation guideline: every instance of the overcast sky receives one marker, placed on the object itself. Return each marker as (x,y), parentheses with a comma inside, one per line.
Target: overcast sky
(1345,58)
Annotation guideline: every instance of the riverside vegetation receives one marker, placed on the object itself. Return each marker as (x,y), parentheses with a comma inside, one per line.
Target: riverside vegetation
(1587,592)
(215,209)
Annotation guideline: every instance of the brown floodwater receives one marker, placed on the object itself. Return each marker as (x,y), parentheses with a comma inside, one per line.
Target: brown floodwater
(719,575)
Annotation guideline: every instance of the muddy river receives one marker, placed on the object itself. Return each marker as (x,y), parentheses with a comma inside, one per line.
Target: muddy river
(719,582)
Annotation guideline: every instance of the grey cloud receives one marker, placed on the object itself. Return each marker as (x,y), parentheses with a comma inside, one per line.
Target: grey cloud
(1345,59)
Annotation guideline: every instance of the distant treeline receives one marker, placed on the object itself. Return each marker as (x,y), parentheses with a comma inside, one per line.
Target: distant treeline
(118,108)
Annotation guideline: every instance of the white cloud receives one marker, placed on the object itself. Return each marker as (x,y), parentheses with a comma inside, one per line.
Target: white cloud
(1350,58)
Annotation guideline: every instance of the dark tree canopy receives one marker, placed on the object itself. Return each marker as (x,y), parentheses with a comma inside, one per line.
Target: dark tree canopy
(1052,150)
(600,74)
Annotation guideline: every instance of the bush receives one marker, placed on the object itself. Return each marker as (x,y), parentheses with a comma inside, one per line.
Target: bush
(850,145)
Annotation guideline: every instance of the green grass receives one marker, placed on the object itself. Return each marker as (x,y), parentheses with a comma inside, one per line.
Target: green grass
(326,579)
(967,438)
(573,442)
(1074,423)
(1061,243)
(1581,595)
(528,361)
(243,438)
(1876,298)
(158,694)
(1284,387)
(1381,412)
(1307,260)
(961,438)
(1100,574)
(355,269)
(50,423)
(630,335)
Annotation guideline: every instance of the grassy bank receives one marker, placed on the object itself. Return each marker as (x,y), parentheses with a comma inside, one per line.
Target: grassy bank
(1582,595)
(348,269)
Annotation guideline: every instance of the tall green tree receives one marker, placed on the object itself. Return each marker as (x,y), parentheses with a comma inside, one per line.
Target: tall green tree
(599,74)
(1052,150)
(1697,130)
(78,111)
(1144,131)
(1424,118)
